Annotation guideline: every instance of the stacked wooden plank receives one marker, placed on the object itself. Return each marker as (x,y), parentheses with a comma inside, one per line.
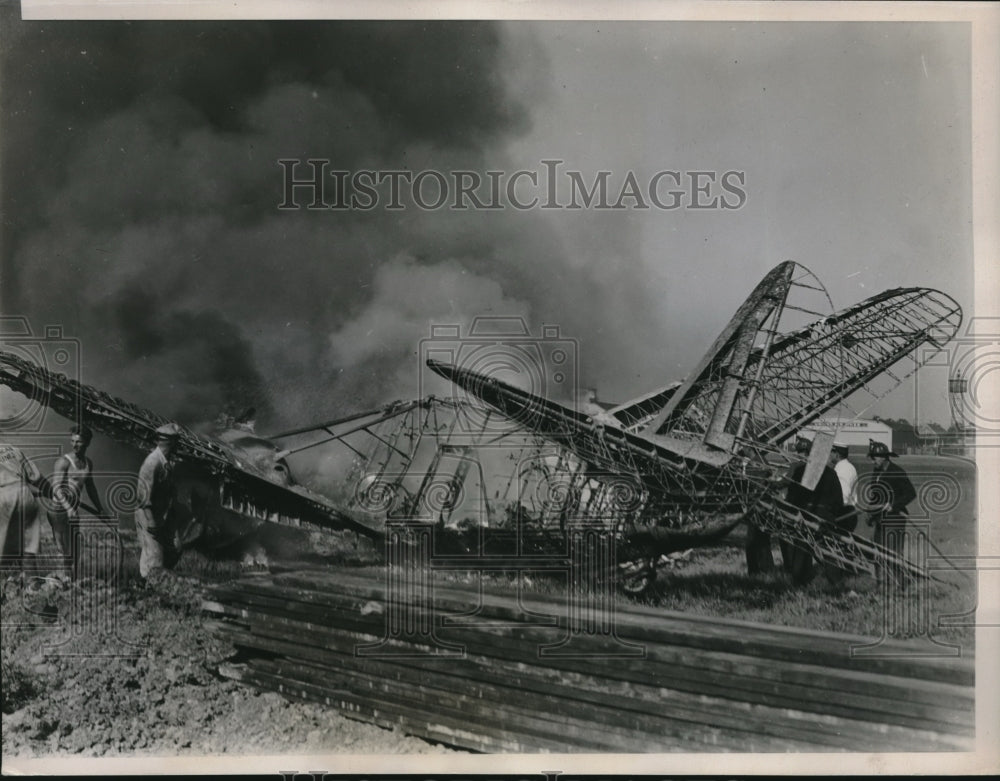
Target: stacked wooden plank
(491,672)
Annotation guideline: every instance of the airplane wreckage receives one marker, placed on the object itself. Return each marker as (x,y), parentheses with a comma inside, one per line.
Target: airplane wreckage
(674,469)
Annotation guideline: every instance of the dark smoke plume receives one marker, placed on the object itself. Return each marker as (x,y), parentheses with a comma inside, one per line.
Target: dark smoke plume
(140,186)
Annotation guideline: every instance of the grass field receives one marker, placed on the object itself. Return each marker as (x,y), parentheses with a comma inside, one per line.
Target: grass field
(713,581)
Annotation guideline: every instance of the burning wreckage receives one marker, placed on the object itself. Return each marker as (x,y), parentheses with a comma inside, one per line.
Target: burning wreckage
(679,467)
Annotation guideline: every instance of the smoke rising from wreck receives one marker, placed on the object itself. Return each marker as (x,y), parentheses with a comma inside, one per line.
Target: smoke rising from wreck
(140,193)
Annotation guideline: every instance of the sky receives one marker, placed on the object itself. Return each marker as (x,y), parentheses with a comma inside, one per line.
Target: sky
(141,185)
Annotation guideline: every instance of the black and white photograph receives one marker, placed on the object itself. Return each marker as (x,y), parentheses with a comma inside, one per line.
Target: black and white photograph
(507,389)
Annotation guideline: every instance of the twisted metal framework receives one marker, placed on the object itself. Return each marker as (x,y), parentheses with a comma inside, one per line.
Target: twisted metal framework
(843,550)
(706,452)
(399,469)
(810,370)
(676,483)
(761,381)
(415,458)
(679,467)
(243,486)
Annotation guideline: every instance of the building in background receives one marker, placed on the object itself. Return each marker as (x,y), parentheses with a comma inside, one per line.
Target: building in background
(853,432)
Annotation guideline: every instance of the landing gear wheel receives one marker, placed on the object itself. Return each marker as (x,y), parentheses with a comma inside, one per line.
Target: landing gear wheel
(635,578)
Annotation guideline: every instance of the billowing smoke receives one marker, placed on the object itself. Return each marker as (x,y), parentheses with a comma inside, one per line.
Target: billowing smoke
(202,361)
(140,195)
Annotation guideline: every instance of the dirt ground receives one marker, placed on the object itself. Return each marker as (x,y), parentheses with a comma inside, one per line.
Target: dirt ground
(94,671)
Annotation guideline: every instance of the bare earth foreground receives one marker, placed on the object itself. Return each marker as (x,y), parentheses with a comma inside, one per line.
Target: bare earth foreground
(142,679)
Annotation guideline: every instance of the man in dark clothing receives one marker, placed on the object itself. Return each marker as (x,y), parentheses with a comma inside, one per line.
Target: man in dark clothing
(891,483)
(825,501)
(758,543)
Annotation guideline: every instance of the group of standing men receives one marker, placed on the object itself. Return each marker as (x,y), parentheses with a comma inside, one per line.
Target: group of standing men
(834,501)
(26,496)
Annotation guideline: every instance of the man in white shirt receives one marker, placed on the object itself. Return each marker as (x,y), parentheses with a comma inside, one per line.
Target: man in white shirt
(848,477)
(74,474)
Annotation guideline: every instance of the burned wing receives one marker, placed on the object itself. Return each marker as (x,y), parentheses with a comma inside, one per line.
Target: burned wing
(243,486)
(866,350)
(766,376)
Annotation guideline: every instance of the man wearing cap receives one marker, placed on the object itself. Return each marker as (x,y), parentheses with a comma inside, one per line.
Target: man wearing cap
(891,486)
(156,489)
(848,477)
